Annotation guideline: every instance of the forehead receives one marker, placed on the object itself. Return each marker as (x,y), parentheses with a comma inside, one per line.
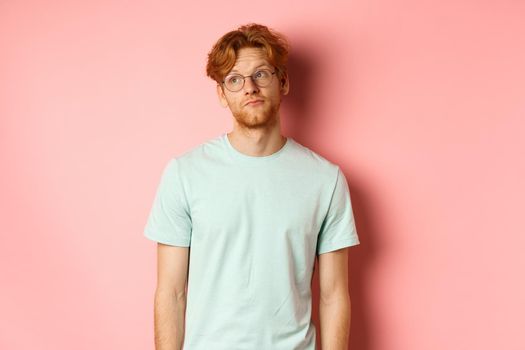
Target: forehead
(249,58)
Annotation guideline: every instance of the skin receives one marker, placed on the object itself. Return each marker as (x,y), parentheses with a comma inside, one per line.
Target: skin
(256,132)
(256,128)
(170,296)
(334,300)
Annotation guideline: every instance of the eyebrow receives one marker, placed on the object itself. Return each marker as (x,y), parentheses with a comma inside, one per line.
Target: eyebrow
(261,65)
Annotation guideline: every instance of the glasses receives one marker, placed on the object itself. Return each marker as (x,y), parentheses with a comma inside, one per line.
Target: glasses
(261,78)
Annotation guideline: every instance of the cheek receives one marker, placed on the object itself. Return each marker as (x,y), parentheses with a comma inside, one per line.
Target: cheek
(276,97)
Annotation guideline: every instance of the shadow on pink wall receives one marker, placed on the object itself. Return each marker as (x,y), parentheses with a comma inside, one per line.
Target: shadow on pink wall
(305,72)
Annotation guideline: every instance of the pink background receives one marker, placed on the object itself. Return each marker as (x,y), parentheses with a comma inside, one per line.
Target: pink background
(421,103)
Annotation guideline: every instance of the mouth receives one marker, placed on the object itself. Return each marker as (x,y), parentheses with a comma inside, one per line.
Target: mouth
(254,103)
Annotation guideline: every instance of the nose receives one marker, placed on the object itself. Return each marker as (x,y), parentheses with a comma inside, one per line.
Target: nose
(249,85)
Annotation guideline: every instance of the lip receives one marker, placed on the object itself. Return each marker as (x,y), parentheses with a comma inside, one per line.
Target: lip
(251,102)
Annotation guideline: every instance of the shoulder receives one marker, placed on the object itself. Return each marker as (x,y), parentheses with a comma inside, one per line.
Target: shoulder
(318,165)
(197,153)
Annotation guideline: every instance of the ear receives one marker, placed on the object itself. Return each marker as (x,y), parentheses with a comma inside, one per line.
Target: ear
(222,97)
(285,84)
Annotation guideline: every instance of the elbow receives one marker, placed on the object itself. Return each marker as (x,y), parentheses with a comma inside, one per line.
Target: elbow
(177,294)
(339,298)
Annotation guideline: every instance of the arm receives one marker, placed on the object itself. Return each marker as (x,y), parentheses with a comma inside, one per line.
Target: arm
(170,296)
(334,300)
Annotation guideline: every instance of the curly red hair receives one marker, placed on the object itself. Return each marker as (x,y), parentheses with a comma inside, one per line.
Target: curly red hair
(223,54)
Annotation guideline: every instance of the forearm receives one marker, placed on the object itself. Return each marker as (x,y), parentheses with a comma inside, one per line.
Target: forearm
(169,320)
(335,316)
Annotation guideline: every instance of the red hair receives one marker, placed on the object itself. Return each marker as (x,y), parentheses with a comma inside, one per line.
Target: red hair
(223,54)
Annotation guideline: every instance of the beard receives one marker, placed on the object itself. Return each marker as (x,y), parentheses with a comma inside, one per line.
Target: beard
(258,117)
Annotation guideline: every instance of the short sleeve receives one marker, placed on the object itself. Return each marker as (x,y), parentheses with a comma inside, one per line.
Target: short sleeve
(169,220)
(338,229)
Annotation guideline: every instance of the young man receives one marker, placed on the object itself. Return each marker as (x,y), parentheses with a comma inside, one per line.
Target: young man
(240,219)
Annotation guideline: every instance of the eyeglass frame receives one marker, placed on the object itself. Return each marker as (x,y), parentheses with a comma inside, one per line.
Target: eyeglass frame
(248,76)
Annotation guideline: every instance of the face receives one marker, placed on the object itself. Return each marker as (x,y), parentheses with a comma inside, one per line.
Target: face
(257,115)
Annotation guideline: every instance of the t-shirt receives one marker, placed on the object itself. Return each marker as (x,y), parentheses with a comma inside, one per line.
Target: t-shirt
(254,225)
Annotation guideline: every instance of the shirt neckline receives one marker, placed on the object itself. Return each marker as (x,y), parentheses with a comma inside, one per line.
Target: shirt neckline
(254,159)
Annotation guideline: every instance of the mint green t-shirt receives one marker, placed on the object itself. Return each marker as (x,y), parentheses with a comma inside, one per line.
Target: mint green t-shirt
(254,226)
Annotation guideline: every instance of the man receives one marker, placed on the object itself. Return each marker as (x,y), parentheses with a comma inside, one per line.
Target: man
(240,219)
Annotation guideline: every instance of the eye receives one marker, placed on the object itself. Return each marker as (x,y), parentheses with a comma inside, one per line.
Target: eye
(260,74)
(233,79)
